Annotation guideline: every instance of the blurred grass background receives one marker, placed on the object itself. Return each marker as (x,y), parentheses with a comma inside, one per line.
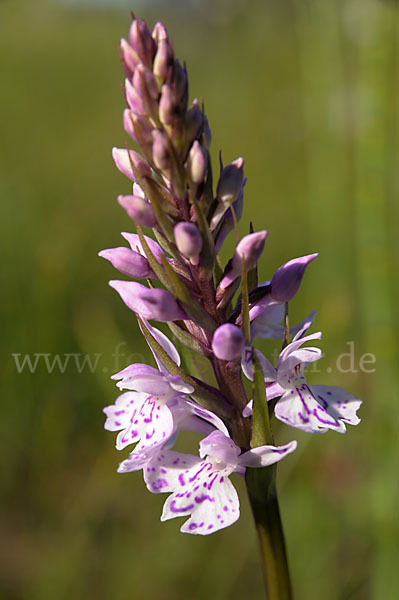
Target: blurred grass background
(307,92)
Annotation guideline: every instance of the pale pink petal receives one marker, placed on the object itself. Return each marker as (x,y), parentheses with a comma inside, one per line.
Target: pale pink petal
(299,408)
(214,509)
(337,402)
(151,425)
(118,414)
(263,456)
(269,372)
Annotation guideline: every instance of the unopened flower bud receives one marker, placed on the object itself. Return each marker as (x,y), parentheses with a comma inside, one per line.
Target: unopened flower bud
(188,240)
(194,121)
(181,85)
(153,303)
(197,163)
(287,279)
(130,166)
(147,89)
(133,98)
(228,342)
(142,42)
(167,107)
(128,262)
(129,58)
(163,59)
(136,245)
(139,210)
(160,150)
(230,182)
(128,123)
(228,219)
(248,249)
(159,33)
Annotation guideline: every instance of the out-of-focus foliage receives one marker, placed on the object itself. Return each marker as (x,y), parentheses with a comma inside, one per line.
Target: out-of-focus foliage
(307,92)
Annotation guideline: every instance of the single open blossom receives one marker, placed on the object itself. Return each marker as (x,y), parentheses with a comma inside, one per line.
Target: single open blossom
(201,486)
(312,408)
(154,409)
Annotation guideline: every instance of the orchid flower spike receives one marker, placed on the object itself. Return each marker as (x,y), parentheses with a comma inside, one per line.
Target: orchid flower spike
(215,314)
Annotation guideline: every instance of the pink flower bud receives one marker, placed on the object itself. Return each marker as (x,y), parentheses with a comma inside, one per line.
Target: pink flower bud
(128,123)
(159,33)
(129,58)
(197,163)
(160,150)
(249,249)
(230,182)
(188,240)
(128,262)
(139,210)
(144,82)
(194,121)
(163,60)
(124,164)
(228,342)
(153,303)
(142,42)
(167,107)
(134,100)
(287,279)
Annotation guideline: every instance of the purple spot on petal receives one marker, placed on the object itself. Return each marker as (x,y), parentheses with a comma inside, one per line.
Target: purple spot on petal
(174,509)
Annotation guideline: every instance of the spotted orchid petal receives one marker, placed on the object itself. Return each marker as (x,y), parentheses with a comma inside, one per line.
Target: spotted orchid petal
(315,409)
(198,489)
(264,456)
(140,418)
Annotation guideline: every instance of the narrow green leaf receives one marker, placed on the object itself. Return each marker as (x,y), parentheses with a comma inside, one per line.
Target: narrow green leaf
(187,300)
(261,431)
(166,245)
(252,276)
(208,254)
(159,205)
(187,339)
(246,325)
(154,264)
(286,337)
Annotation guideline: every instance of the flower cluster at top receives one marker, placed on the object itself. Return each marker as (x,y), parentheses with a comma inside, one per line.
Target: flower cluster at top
(212,309)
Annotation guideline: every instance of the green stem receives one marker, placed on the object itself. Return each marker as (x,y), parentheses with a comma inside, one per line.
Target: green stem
(261,486)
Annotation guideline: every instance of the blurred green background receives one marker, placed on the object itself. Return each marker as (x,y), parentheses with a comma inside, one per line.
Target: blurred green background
(307,92)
